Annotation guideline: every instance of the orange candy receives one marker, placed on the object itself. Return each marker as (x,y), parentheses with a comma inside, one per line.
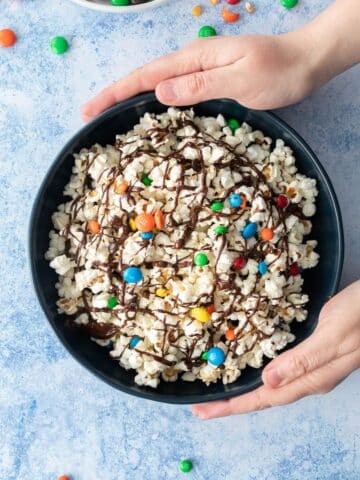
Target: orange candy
(93,226)
(230,334)
(229,17)
(210,309)
(196,11)
(64,477)
(243,203)
(266,234)
(121,187)
(7,37)
(145,222)
(159,219)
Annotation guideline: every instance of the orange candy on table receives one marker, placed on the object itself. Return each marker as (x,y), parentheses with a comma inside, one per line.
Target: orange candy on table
(64,477)
(266,234)
(144,222)
(196,11)
(7,37)
(93,226)
(229,16)
(121,187)
(159,219)
(230,334)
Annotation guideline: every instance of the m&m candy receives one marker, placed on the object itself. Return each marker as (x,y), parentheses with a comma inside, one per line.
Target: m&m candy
(120,3)
(207,31)
(235,200)
(216,356)
(132,224)
(266,234)
(230,334)
(282,201)
(250,230)
(147,235)
(294,269)
(7,38)
(197,10)
(228,16)
(134,341)
(59,45)
(221,229)
(161,292)
(93,226)
(201,259)
(121,188)
(211,308)
(239,263)
(204,356)
(159,219)
(112,302)
(185,466)
(145,222)
(262,267)
(200,314)
(132,275)
(233,124)
(217,206)
(289,3)
(146,180)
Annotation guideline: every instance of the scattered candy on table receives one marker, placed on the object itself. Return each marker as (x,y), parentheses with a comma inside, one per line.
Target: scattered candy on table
(266,234)
(228,16)
(196,11)
(132,275)
(200,314)
(221,229)
(262,267)
(134,341)
(289,3)
(214,2)
(235,200)
(93,226)
(249,7)
(59,45)
(145,222)
(7,38)
(207,31)
(232,2)
(282,201)
(216,356)
(201,259)
(185,466)
(250,230)
(120,3)
(112,302)
(64,477)
(217,206)
(239,263)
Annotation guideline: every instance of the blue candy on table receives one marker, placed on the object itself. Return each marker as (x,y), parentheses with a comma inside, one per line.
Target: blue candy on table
(215,356)
(249,230)
(132,275)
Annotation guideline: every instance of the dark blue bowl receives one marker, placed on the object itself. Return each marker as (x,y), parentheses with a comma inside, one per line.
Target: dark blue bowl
(320,282)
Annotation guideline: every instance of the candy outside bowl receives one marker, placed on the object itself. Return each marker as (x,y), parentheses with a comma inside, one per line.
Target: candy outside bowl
(320,282)
(106,6)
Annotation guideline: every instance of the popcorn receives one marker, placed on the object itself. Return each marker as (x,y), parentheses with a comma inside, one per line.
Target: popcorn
(189,163)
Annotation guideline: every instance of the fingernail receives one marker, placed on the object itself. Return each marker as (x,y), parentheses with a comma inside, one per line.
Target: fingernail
(273,377)
(167,91)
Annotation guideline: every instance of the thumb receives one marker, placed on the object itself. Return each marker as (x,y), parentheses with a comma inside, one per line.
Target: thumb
(316,351)
(196,87)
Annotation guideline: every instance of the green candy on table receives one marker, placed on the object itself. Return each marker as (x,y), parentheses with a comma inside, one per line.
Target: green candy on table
(59,45)
(185,466)
(289,3)
(120,3)
(207,31)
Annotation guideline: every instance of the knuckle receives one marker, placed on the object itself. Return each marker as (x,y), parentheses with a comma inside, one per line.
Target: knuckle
(196,83)
(302,364)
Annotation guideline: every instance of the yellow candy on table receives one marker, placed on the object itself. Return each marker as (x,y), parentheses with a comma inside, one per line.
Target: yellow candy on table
(132,224)
(200,314)
(162,292)
(196,11)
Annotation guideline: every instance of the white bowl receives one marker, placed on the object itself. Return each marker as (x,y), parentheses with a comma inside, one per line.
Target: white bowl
(105,6)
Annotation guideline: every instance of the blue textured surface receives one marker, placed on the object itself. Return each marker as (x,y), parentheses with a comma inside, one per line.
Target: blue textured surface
(54,416)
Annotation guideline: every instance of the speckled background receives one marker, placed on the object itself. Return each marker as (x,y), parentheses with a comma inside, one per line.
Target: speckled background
(55,417)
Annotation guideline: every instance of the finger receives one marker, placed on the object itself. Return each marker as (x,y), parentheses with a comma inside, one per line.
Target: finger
(199,55)
(197,87)
(313,353)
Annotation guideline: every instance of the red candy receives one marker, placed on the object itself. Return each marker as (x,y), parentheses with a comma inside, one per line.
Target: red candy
(282,201)
(294,269)
(232,2)
(239,263)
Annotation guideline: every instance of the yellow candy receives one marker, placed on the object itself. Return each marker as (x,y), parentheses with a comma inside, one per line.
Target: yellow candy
(161,292)
(200,314)
(132,224)
(196,11)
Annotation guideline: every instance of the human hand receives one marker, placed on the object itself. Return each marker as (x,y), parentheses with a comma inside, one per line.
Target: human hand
(315,366)
(260,72)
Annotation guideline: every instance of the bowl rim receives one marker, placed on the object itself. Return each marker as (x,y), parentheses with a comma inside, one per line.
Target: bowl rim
(114,9)
(152,394)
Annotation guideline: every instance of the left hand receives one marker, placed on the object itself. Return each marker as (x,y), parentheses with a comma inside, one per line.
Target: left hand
(315,366)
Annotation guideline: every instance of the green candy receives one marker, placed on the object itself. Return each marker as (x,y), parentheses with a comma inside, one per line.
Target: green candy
(233,124)
(185,466)
(201,259)
(289,3)
(146,180)
(221,229)
(120,3)
(207,31)
(217,206)
(204,356)
(112,302)
(59,45)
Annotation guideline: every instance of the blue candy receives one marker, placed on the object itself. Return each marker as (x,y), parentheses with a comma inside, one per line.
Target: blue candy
(134,341)
(250,230)
(235,200)
(262,267)
(215,356)
(132,275)
(147,235)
